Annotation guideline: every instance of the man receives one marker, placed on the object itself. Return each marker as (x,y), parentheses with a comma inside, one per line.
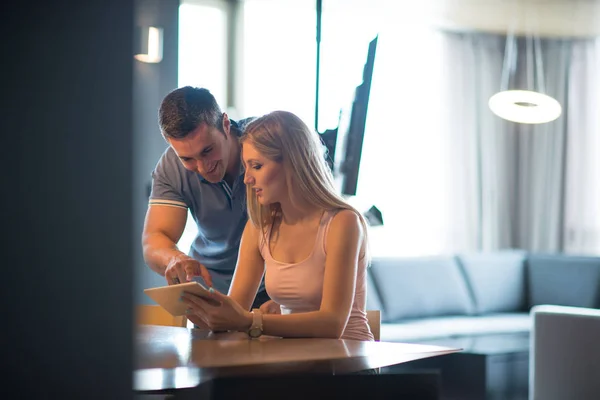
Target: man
(201,171)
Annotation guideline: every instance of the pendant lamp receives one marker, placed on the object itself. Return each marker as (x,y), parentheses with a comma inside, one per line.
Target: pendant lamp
(522,97)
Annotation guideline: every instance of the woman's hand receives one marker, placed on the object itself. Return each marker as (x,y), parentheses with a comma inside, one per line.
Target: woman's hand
(197,321)
(225,315)
(270,307)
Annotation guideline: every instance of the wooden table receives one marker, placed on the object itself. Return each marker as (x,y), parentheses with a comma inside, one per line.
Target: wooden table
(169,358)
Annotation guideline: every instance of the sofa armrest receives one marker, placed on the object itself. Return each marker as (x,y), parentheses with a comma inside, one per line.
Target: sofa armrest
(564,353)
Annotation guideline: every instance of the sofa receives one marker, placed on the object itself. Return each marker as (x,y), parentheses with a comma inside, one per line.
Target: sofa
(479,302)
(438,299)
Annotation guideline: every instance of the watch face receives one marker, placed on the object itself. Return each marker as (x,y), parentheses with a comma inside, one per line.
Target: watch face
(255,332)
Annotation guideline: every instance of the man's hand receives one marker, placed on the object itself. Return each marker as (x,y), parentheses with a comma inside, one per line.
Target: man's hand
(183,268)
(270,307)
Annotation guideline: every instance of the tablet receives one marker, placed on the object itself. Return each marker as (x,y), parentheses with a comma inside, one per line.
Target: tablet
(168,297)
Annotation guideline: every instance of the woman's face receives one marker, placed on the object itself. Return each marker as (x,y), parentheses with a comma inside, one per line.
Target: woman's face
(266,177)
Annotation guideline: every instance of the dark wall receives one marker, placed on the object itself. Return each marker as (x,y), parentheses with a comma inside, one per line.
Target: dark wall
(66,210)
(151,82)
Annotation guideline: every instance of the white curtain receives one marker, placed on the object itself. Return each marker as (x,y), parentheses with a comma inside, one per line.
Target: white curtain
(533,187)
(582,195)
(477,158)
(541,154)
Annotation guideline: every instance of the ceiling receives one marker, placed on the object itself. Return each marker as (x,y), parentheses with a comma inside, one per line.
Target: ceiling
(563,18)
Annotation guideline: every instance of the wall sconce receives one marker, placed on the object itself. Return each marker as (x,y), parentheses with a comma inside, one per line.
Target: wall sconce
(531,104)
(149,44)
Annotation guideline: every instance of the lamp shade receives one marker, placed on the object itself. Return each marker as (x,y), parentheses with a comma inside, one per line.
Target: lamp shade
(522,97)
(525,106)
(149,44)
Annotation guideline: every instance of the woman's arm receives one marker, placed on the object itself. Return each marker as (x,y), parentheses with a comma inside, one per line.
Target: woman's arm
(344,242)
(249,270)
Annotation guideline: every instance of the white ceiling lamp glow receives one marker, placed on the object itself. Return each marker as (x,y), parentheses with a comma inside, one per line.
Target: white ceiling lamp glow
(529,105)
(150,45)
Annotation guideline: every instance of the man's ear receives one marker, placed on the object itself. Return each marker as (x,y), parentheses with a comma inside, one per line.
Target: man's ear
(226,125)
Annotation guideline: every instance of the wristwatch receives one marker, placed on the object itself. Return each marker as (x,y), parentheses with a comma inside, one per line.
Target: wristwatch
(256,329)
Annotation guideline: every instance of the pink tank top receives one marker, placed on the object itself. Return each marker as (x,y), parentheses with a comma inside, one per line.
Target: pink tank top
(299,287)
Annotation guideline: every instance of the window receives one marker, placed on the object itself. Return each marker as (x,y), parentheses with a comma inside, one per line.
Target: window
(347,28)
(202,62)
(203,46)
(402,165)
(279,58)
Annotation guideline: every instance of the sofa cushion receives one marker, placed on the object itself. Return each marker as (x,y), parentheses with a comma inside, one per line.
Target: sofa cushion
(420,287)
(421,329)
(496,280)
(563,280)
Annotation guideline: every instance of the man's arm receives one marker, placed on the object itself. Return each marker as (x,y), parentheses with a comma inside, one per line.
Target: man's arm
(163,228)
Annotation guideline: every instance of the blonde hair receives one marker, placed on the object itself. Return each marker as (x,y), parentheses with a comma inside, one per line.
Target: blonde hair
(283,137)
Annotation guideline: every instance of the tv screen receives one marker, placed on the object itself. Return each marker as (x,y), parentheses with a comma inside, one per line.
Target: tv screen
(351,131)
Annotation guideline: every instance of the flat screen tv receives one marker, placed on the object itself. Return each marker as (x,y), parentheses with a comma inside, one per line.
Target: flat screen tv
(348,143)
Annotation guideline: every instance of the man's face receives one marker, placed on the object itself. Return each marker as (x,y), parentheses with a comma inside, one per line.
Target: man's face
(206,150)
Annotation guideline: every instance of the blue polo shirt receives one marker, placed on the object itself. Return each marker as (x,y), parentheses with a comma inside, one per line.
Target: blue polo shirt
(218,209)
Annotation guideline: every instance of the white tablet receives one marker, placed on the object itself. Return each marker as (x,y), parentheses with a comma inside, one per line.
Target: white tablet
(168,297)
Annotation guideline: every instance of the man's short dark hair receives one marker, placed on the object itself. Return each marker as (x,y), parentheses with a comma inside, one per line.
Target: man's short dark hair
(185,108)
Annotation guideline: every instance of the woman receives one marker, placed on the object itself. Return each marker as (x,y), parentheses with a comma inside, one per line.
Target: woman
(310,243)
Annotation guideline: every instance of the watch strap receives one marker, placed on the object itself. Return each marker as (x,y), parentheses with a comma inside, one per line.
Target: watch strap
(256,328)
